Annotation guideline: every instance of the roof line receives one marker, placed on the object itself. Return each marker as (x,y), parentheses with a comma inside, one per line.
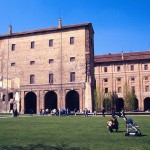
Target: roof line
(46,30)
(144,55)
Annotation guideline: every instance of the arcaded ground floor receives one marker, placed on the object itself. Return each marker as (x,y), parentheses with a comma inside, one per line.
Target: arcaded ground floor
(34,98)
(143,105)
(37,100)
(78,97)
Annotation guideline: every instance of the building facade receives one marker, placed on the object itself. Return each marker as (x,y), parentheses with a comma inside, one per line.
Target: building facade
(112,71)
(56,68)
(47,68)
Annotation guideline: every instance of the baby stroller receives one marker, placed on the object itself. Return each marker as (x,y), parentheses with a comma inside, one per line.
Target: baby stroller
(132,128)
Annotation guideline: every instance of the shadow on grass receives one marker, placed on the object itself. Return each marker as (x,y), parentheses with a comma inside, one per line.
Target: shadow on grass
(143,135)
(42,147)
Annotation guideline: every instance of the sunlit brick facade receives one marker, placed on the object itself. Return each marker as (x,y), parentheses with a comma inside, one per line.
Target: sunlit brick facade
(112,71)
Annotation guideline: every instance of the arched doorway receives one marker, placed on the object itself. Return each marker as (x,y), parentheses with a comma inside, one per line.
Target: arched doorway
(72,100)
(11,106)
(30,103)
(50,100)
(119,104)
(136,104)
(147,104)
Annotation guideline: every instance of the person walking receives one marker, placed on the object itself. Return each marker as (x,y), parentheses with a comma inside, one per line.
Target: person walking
(103,112)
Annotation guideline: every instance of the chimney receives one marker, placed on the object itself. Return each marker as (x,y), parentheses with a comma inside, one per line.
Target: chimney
(59,23)
(122,56)
(10,30)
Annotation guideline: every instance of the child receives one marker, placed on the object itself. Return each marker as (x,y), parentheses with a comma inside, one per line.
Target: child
(110,125)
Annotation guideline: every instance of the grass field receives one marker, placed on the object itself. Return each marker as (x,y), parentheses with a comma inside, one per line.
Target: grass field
(70,133)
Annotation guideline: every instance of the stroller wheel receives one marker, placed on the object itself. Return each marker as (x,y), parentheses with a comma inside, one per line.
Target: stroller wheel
(126,134)
(138,134)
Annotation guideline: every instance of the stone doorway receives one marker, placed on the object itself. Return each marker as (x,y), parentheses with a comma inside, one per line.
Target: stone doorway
(50,100)
(72,100)
(136,104)
(119,104)
(147,104)
(30,103)
(11,106)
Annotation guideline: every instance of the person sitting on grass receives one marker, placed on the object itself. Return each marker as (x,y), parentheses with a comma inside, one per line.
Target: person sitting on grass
(115,124)
(112,124)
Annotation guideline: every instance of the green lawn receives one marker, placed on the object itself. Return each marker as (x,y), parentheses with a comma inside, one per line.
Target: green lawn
(70,133)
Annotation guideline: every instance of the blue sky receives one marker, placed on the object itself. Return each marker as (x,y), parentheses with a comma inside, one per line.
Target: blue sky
(119,25)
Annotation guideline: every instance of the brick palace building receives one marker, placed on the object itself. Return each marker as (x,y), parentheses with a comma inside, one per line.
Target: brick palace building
(47,68)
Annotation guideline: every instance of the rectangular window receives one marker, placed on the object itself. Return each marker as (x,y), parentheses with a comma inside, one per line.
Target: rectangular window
(4,97)
(106,90)
(72,59)
(71,40)
(11,95)
(51,61)
(51,43)
(72,77)
(105,69)
(132,79)
(132,67)
(146,88)
(32,44)
(13,46)
(119,89)
(145,67)
(146,78)
(118,79)
(105,80)
(51,78)
(13,64)
(32,62)
(118,68)
(32,79)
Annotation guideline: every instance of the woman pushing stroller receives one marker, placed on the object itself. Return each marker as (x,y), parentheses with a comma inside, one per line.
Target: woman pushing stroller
(112,124)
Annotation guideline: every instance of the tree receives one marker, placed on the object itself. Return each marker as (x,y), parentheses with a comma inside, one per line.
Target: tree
(133,100)
(126,96)
(114,98)
(107,101)
(96,102)
(99,97)
(129,97)
(107,104)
